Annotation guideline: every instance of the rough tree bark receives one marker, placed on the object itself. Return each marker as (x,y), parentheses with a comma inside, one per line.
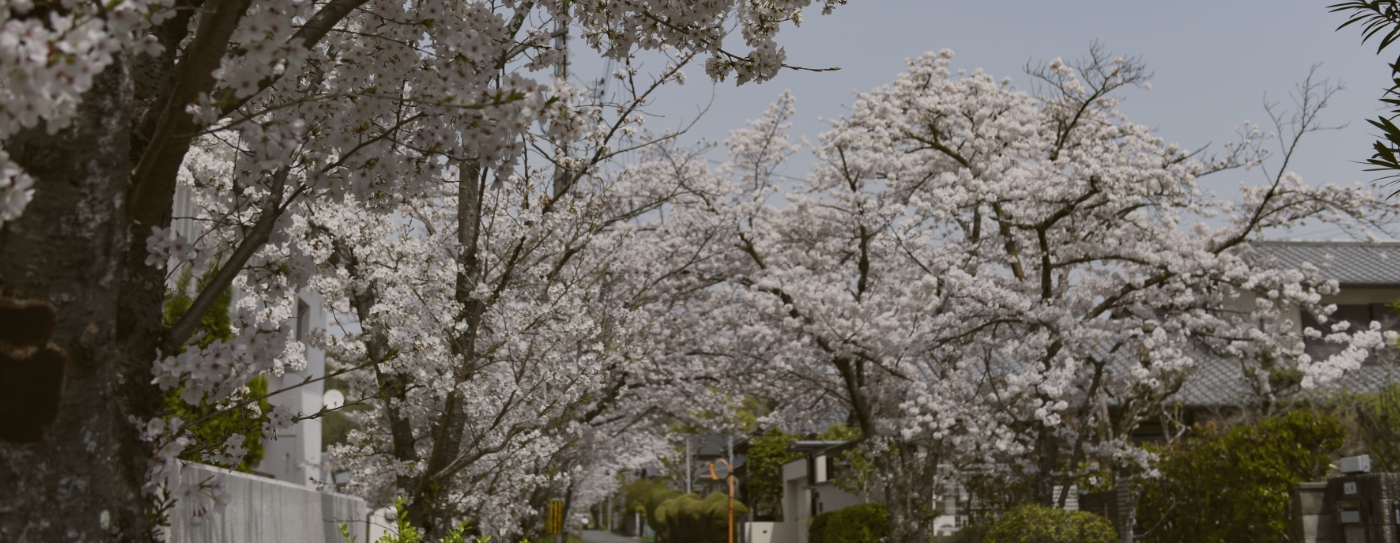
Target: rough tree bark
(83,483)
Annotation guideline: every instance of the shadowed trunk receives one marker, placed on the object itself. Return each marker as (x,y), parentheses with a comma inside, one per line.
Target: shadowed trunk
(83,482)
(908,474)
(427,507)
(1048,456)
(909,483)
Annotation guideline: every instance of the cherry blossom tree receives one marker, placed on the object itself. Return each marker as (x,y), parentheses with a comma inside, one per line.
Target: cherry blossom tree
(973,273)
(276,108)
(552,342)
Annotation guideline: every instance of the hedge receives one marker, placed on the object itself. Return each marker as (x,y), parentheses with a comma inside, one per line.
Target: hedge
(1233,487)
(689,519)
(1040,524)
(866,523)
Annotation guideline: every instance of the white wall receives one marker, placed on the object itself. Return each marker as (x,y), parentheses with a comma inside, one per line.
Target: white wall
(295,456)
(759,532)
(265,510)
(797,503)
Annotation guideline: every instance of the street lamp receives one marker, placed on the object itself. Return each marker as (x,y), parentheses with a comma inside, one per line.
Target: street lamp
(730,468)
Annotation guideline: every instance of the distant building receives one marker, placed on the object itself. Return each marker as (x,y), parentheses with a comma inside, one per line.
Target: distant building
(295,456)
(707,449)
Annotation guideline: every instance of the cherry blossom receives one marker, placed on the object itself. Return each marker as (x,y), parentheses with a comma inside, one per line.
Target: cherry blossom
(973,273)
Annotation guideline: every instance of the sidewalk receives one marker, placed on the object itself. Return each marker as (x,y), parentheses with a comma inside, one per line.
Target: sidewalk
(600,536)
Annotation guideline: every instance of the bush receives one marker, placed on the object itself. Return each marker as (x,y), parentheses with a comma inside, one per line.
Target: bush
(866,523)
(972,533)
(1375,417)
(1039,524)
(217,426)
(767,454)
(688,519)
(645,496)
(1234,486)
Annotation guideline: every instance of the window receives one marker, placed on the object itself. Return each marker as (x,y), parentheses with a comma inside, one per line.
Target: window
(303,320)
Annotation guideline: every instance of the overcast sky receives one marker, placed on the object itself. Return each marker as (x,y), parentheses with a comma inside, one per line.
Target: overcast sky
(1214,62)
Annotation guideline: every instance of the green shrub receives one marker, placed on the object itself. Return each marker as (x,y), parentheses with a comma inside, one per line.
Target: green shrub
(689,519)
(645,495)
(216,427)
(866,523)
(1234,486)
(405,532)
(1375,417)
(767,454)
(972,533)
(1039,524)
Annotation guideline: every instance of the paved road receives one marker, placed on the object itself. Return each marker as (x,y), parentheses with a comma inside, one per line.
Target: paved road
(600,536)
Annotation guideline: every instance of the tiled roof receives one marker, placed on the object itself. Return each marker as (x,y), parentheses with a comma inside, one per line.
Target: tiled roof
(1220,382)
(1351,262)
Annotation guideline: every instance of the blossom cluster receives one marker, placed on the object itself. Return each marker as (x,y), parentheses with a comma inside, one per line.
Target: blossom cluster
(978,271)
(49,58)
(170,438)
(165,245)
(216,371)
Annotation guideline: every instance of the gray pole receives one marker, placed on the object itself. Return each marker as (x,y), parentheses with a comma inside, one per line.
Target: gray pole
(689,473)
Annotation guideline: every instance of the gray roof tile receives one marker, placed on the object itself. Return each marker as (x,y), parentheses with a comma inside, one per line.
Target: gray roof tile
(1352,262)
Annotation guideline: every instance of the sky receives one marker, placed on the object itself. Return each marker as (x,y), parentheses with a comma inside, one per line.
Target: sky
(1214,64)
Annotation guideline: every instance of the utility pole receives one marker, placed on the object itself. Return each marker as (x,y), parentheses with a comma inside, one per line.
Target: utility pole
(730,443)
(562,179)
(730,478)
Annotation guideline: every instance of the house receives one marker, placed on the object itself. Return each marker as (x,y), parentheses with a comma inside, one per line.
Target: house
(282,501)
(295,455)
(1368,275)
(809,489)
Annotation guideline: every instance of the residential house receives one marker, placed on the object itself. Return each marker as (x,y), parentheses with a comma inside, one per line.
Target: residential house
(1369,278)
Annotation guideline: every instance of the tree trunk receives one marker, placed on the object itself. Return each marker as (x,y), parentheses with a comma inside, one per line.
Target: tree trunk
(1048,451)
(427,507)
(83,482)
(909,486)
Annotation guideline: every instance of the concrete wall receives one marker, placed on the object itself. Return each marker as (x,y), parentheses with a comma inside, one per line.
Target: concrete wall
(295,456)
(265,510)
(831,498)
(759,532)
